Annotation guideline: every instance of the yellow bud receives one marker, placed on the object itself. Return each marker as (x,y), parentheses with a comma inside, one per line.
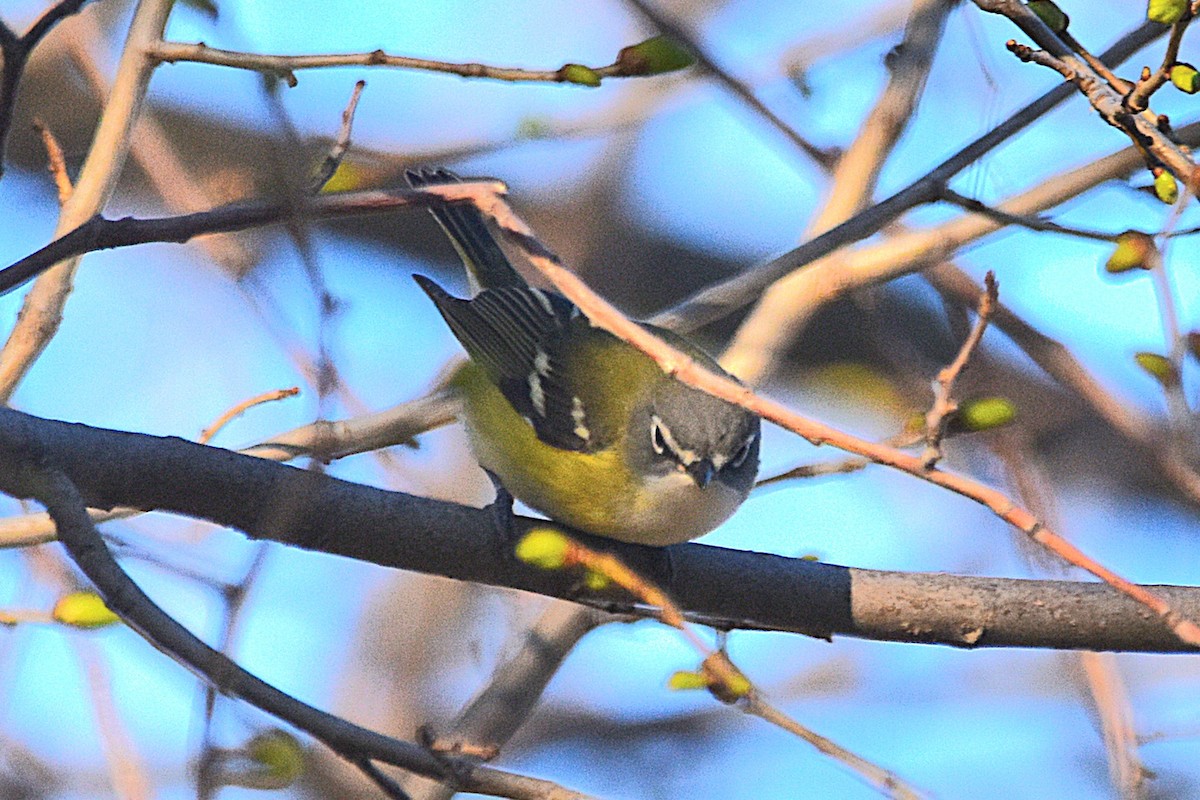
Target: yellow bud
(687,681)
(983,414)
(596,581)
(654,57)
(1134,250)
(83,610)
(1158,367)
(1049,13)
(1168,12)
(544,547)
(1186,78)
(579,74)
(1165,187)
(279,755)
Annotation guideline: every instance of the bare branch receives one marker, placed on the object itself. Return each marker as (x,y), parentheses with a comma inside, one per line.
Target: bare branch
(16,51)
(401,531)
(27,474)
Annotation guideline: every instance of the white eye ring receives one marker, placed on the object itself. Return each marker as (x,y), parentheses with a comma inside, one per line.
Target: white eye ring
(658,439)
(743,452)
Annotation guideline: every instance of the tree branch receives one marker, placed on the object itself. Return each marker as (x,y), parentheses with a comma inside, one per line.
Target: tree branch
(722,298)
(28,470)
(720,587)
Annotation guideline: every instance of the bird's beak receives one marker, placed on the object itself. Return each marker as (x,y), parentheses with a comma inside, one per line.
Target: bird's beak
(702,472)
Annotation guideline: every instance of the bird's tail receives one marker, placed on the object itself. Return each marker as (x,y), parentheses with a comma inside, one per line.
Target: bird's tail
(487,266)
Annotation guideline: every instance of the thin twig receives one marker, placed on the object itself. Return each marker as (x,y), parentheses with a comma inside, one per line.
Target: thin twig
(823,157)
(1032,222)
(1143,129)
(341,144)
(726,681)
(286,66)
(1139,98)
(99,233)
(237,410)
(944,403)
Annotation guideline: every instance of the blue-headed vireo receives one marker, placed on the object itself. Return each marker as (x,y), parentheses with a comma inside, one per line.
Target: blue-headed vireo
(577,423)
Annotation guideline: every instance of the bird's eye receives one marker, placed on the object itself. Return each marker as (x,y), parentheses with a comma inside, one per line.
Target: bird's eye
(658,439)
(743,452)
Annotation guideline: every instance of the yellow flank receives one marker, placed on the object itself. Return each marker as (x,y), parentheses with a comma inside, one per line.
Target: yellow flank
(596,486)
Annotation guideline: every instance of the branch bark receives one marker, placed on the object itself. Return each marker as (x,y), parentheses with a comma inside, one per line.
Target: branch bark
(716,586)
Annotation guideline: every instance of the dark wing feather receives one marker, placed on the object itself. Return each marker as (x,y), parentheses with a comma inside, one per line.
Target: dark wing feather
(465,226)
(519,335)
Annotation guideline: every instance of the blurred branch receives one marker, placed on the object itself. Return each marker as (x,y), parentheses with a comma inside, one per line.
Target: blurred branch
(741,90)
(486,724)
(27,473)
(716,586)
(285,67)
(324,440)
(42,310)
(856,174)
(16,51)
(153,149)
(727,296)
(792,301)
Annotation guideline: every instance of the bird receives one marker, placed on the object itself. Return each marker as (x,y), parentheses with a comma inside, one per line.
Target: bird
(576,423)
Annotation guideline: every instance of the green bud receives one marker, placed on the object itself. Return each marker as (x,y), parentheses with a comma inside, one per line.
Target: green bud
(1049,13)
(533,128)
(1165,187)
(1134,250)
(1168,12)
(1158,367)
(687,681)
(1186,78)
(982,414)
(579,74)
(544,547)
(83,610)
(596,581)
(654,57)
(280,757)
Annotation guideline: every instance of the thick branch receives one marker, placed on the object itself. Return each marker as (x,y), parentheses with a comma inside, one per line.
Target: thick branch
(721,587)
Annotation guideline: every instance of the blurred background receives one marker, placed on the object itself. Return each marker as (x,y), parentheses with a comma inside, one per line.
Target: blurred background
(650,189)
